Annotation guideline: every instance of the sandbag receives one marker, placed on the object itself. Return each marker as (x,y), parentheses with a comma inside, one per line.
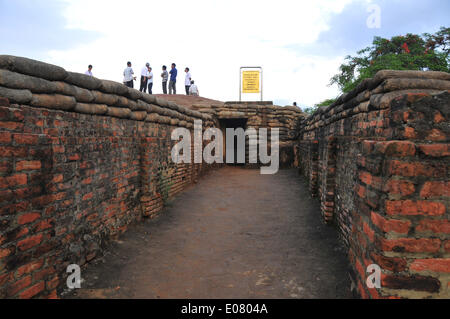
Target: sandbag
(83,80)
(104,98)
(396,84)
(386,74)
(16,96)
(138,116)
(142,106)
(134,94)
(161,102)
(149,98)
(95,109)
(123,102)
(15,80)
(54,101)
(32,67)
(120,112)
(112,87)
(152,117)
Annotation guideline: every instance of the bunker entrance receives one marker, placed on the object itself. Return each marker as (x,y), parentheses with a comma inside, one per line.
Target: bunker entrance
(233,124)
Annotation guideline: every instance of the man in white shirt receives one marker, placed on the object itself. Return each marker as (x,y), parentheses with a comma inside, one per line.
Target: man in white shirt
(128,76)
(89,71)
(144,78)
(150,80)
(193,89)
(187,82)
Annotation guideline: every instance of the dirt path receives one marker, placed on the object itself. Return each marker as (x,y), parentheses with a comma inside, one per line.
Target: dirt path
(237,234)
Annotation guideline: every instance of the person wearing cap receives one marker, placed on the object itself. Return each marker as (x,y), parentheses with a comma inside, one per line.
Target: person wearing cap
(89,71)
(144,78)
(128,76)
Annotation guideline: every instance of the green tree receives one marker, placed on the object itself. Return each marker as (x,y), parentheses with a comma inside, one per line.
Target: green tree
(409,52)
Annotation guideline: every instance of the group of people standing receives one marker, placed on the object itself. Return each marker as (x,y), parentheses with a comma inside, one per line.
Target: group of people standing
(147,79)
(168,78)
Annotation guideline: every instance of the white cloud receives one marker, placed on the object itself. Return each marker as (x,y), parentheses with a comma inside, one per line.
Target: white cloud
(213,37)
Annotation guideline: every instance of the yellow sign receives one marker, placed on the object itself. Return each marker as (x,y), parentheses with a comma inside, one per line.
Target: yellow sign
(250,82)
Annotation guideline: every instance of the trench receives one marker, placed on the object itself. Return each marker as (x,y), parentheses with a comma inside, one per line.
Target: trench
(236,234)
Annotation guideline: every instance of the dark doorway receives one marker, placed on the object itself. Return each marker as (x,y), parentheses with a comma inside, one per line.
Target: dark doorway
(233,124)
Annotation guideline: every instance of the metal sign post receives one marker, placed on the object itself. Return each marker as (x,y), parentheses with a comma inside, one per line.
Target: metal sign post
(250,81)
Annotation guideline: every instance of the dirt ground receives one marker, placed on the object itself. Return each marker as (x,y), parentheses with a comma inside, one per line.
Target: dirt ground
(188,101)
(236,234)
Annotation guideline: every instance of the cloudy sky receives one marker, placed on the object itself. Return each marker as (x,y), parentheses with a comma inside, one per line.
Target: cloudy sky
(300,44)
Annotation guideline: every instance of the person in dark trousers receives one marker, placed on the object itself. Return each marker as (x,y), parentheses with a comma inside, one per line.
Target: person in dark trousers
(187,82)
(150,81)
(173,79)
(144,78)
(165,78)
(128,76)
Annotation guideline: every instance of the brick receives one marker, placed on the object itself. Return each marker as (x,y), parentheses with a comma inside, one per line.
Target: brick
(361,191)
(27,139)
(438,118)
(13,181)
(411,245)
(19,285)
(43,225)
(44,273)
(434,264)
(390,225)
(28,165)
(52,295)
(29,268)
(5,252)
(435,150)
(410,133)
(395,264)
(415,208)
(436,135)
(88,196)
(28,218)
(435,226)
(412,169)
(29,242)
(32,291)
(396,148)
(10,151)
(417,283)
(5,278)
(58,178)
(435,189)
(5,137)
(400,187)
(53,283)
(12,126)
(369,232)
(447,246)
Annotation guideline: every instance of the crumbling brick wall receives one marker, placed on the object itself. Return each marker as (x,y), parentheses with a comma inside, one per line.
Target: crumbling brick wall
(379,160)
(80,160)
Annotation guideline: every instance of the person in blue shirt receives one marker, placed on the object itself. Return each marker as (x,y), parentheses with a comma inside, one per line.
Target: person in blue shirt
(173,79)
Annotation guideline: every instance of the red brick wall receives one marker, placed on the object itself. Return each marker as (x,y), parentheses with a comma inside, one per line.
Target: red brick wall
(382,176)
(68,183)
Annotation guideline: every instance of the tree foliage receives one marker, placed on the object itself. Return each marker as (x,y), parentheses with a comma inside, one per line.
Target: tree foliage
(409,52)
